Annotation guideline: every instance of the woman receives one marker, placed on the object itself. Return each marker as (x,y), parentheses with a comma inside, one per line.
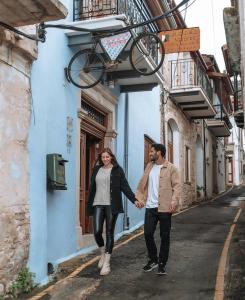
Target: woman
(105,202)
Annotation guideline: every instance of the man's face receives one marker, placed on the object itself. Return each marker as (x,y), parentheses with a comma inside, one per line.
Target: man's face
(154,155)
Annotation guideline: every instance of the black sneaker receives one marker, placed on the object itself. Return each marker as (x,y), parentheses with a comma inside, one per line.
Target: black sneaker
(150,266)
(161,269)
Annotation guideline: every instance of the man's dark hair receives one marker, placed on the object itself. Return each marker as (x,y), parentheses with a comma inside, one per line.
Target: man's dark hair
(159,147)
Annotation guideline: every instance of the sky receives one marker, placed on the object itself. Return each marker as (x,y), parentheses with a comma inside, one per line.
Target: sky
(208,15)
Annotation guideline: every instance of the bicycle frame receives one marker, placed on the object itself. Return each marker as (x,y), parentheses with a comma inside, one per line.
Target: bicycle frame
(104,55)
(112,45)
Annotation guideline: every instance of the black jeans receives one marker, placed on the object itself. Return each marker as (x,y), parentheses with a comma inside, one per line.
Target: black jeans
(152,216)
(103,213)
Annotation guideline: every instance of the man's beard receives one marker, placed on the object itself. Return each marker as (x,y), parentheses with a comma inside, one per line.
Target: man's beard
(153,158)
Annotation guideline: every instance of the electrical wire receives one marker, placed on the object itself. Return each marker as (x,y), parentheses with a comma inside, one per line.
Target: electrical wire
(176,14)
(42,26)
(19,32)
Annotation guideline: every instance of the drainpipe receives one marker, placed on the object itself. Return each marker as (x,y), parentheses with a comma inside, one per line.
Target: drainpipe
(236,93)
(204,160)
(125,162)
(163,101)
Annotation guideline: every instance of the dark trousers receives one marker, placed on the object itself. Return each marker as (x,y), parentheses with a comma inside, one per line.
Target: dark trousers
(152,216)
(103,213)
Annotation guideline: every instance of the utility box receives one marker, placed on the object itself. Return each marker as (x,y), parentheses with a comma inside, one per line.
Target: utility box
(56,172)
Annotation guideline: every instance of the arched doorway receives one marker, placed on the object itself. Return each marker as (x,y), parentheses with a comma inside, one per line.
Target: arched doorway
(173,142)
(170,144)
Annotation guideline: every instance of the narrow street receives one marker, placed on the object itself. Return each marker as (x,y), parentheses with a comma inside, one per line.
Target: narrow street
(198,237)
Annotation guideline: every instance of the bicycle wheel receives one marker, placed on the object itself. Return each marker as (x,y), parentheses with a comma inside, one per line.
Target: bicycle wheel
(147,47)
(86,68)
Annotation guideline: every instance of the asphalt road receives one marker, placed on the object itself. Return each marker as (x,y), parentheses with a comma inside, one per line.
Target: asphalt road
(197,240)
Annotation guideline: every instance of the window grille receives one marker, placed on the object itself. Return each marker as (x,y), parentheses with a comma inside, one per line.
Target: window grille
(93,113)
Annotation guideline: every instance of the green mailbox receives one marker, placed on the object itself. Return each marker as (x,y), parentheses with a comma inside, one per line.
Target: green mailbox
(56,172)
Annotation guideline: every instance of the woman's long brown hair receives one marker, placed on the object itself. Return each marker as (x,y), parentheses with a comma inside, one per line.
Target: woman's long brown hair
(106,150)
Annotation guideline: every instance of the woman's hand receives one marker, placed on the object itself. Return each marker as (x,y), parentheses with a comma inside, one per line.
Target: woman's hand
(139,204)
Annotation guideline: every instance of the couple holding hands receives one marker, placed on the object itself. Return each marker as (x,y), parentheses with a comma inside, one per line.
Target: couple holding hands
(158,190)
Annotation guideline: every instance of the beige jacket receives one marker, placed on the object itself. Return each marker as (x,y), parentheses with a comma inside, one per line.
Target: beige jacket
(169,186)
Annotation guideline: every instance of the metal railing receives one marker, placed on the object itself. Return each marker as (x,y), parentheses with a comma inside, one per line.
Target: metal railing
(136,11)
(190,73)
(221,115)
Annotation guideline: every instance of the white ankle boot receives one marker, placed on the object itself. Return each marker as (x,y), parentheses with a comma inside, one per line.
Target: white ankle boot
(106,266)
(102,257)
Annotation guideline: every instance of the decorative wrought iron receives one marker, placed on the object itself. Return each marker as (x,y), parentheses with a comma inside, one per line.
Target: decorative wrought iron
(136,11)
(221,115)
(188,72)
(93,113)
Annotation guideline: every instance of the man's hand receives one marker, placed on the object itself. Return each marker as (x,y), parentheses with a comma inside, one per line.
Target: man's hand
(173,207)
(138,204)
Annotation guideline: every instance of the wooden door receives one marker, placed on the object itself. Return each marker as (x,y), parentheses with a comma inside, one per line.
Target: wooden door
(147,147)
(90,148)
(170,144)
(230,170)
(215,173)
(170,153)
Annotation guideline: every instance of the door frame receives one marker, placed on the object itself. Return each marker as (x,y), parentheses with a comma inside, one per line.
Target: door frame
(94,123)
(104,101)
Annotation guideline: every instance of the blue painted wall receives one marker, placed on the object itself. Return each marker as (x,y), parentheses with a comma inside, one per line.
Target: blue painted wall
(53,214)
(144,118)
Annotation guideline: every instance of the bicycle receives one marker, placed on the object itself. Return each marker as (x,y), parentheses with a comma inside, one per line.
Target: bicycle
(88,66)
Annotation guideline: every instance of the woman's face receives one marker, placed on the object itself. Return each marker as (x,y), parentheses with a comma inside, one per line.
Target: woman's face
(106,158)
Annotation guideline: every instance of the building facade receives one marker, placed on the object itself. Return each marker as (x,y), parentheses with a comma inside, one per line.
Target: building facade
(121,112)
(55,123)
(16,57)
(233,53)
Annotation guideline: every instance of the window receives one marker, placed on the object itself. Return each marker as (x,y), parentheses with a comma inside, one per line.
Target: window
(148,142)
(230,170)
(187,164)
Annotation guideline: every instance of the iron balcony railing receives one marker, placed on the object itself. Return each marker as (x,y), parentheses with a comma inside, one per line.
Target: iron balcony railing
(136,11)
(190,73)
(221,115)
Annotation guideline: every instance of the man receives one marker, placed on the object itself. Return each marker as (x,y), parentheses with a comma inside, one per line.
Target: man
(159,189)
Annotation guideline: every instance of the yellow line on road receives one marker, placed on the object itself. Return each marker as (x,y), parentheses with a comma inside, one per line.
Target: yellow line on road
(220,278)
(79,269)
(96,258)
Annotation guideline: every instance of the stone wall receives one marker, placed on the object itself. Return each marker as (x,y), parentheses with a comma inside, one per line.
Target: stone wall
(189,130)
(16,56)
(187,137)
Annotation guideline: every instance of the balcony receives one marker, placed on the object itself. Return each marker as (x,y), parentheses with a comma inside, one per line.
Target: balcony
(28,12)
(112,15)
(229,149)
(239,118)
(135,10)
(238,106)
(220,125)
(191,89)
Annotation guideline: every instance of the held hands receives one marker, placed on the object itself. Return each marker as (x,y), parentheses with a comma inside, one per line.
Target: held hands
(173,207)
(139,204)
